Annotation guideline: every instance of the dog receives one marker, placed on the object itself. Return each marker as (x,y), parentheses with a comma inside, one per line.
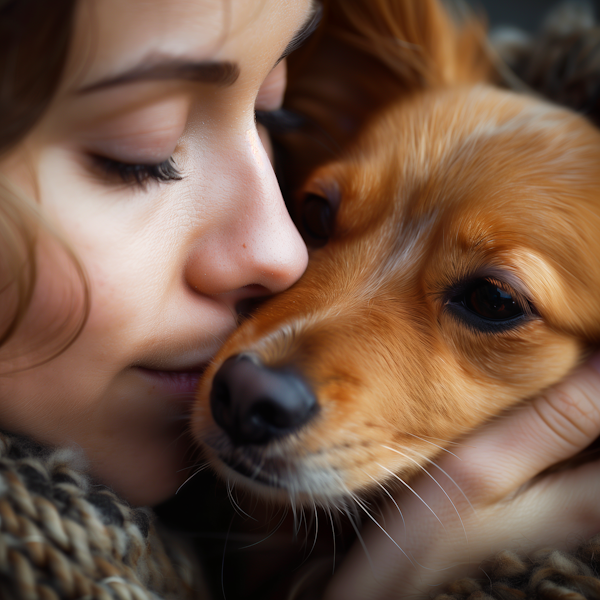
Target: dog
(453,273)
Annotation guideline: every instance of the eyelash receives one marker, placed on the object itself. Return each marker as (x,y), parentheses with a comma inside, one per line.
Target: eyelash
(139,175)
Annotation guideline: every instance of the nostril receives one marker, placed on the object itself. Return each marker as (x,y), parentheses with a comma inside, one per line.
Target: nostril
(255,404)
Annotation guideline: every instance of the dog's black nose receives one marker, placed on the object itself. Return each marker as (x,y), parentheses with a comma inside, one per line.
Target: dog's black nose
(255,404)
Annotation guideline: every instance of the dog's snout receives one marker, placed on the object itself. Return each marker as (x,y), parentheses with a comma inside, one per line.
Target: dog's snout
(255,404)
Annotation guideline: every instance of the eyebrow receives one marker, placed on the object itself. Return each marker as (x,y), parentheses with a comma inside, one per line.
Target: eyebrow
(220,74)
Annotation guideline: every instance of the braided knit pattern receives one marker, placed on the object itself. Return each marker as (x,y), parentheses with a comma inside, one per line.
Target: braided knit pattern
(63,538)
(544,575)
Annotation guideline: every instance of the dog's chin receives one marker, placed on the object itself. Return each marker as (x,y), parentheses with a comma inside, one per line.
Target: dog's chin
(279,479)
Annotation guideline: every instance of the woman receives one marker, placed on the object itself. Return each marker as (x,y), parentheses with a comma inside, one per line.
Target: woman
(132,162)
(140,214)
(147,164)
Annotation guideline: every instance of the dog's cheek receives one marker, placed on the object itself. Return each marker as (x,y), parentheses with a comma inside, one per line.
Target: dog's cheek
(514,364)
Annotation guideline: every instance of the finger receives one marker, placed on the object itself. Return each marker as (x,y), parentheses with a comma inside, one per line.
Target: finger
(555,426)
(558,511)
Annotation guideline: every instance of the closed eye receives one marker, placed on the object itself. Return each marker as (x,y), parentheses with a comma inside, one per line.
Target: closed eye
(137,174)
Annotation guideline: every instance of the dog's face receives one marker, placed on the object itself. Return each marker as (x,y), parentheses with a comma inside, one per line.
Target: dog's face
(458,274)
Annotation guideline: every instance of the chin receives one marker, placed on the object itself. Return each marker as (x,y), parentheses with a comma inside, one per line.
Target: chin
(146,482)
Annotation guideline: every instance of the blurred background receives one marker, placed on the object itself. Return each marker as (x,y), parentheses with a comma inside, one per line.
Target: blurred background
(526,14)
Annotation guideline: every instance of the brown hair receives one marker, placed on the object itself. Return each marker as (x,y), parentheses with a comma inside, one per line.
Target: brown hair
(35,36)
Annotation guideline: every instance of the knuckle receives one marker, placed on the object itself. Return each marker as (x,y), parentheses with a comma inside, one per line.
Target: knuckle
(571,411)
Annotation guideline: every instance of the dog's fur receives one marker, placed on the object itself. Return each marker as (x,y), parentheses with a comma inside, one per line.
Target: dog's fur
(445,179)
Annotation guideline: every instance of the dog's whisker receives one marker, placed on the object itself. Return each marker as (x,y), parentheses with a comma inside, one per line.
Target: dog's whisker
(439,484)
(435,464)
(387,493)
(233,501)
(406,485)
(359,502)
(315,518)
(413,561)
(268,536)
(201,467)
(328,511)
(295,516)
(426,438)
(198,470)
(194,451)
(303,519)
(436,445)
(360,539)
(313,523)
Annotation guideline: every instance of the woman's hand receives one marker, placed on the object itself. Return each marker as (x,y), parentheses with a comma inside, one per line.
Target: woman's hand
(486,498)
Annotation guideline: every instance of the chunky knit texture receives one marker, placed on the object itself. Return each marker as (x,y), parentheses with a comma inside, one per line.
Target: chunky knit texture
(63,538)
(545,575)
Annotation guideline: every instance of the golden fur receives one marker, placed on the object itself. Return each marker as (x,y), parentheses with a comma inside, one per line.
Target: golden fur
(450,181)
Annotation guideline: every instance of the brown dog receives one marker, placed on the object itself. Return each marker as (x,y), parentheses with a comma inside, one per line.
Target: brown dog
(455,272)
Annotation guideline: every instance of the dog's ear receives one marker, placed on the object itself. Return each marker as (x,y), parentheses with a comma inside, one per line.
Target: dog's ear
(423,42)
(562,61)
(365,55)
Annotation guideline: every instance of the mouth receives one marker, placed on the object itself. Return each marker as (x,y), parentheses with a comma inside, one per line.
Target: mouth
(180,384)
(266,472)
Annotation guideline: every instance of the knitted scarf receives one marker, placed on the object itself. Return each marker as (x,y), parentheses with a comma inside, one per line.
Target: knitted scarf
(63,537)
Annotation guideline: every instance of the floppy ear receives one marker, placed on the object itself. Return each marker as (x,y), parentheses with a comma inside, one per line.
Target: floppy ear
(561,62)
(420,41)
(365,55)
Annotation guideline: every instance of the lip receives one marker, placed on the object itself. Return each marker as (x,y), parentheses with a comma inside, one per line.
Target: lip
(177,383)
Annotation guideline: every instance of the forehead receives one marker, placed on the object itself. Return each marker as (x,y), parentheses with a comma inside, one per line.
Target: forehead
(115,35)
(484,152)
(469,180)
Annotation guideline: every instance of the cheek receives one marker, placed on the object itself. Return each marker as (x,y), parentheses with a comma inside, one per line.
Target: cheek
(57,310)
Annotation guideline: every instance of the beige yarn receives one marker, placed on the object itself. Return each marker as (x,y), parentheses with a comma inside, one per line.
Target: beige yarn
(547,574)
(64,538)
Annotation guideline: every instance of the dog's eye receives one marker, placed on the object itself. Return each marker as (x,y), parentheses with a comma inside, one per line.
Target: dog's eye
(488,305)
(490,301)
(316,220)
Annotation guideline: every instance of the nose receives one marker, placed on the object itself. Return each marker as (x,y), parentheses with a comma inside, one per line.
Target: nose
(256,405)
(251,247)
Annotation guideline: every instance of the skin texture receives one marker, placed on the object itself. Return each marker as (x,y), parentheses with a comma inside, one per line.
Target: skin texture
(167,262)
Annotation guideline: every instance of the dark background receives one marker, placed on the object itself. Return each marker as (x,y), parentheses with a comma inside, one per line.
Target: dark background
(527,14)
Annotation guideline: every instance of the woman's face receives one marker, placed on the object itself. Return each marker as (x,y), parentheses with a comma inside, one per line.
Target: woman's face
(149,164)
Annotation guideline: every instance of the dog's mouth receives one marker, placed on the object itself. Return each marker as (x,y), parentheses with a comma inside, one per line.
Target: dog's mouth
(281,471)
(272,473)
